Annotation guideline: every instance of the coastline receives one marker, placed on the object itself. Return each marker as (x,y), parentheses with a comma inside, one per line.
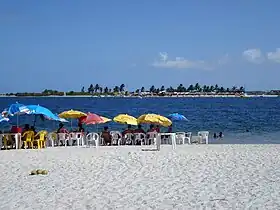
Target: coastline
(151,96)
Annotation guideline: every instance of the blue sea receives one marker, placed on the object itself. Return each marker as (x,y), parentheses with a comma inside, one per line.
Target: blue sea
(242,120)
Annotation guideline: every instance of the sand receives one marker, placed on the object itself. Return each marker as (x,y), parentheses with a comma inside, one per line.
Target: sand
(190,177)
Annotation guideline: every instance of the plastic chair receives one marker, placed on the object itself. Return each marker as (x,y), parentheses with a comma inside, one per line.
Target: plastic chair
(92,137)
(180,137)
(80,139)
(52,137)
(40,138)
(129,139)
(116,138)
(189,137)
(64,137)
(29,138)
(204,136)
(139,137)
(151,138)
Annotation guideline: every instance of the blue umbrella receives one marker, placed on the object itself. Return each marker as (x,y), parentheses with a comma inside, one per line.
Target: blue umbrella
(178,117)
(40,110)
(4,119)
(16,109)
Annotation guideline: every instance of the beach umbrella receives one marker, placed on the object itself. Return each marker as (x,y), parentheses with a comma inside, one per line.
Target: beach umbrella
(72,114)
(154,119)
(16,109)
(91,119)
(43,112)
(4,119)
(178,117)
(105,119)
(125,119)
(40,110)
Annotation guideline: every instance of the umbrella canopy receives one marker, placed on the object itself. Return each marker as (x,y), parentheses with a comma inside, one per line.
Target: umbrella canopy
(177,116)
(16,109)
(105,119)
(154,119)
(72,114)
(125,119)
(4,119)
(91,119)
(40,110)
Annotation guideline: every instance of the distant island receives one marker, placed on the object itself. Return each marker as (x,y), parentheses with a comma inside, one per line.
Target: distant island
(195,90)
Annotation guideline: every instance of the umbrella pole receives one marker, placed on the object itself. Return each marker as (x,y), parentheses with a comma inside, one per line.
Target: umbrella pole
(17,120)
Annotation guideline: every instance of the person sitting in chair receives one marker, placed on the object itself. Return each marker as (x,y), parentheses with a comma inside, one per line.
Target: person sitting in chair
(105,135)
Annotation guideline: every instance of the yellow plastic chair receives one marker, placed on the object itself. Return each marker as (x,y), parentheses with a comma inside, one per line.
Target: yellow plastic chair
(40,138)
(29,138)
(5,141)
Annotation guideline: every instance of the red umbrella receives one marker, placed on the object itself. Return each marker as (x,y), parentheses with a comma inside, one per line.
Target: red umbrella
(91,119)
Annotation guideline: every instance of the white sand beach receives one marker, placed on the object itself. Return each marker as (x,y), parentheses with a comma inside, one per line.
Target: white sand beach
(190,177)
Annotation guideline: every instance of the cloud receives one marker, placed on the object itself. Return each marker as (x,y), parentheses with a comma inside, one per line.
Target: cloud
(224,60)
(274,56)
(180,63)
(253,56)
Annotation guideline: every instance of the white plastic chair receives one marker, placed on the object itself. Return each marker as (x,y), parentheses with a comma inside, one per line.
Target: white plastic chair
(180,137)
(139,137)
(92,138)
(80,139)
(151,138)
(64,137)
(128,139)
(204,136)
(52,137)
(116,138)
(189,137)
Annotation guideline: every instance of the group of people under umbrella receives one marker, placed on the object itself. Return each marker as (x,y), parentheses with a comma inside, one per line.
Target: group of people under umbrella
(154,120)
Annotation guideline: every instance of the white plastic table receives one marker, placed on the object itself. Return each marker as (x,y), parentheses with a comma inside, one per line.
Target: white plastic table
(171,135)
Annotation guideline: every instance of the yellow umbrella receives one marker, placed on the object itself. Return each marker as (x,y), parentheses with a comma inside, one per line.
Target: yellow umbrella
(154,119)
(73,114)
(105,119)
(125,119)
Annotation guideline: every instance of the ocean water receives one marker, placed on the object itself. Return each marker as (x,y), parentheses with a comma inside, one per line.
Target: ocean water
(242,120)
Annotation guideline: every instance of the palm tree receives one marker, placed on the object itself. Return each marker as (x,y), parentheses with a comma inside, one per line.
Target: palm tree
(96,88)
(180,88)
(222,89)
(204,88)
(106,90)
(152,89)
(162,88)
(137,91)
(170,89)
(242,89)
(83,89)
(122,87)
(216,88)
(142,89)
(190,88)
(212,88)
(197,87)
(91,89)
(100,89)
(116,89)
(233,89)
